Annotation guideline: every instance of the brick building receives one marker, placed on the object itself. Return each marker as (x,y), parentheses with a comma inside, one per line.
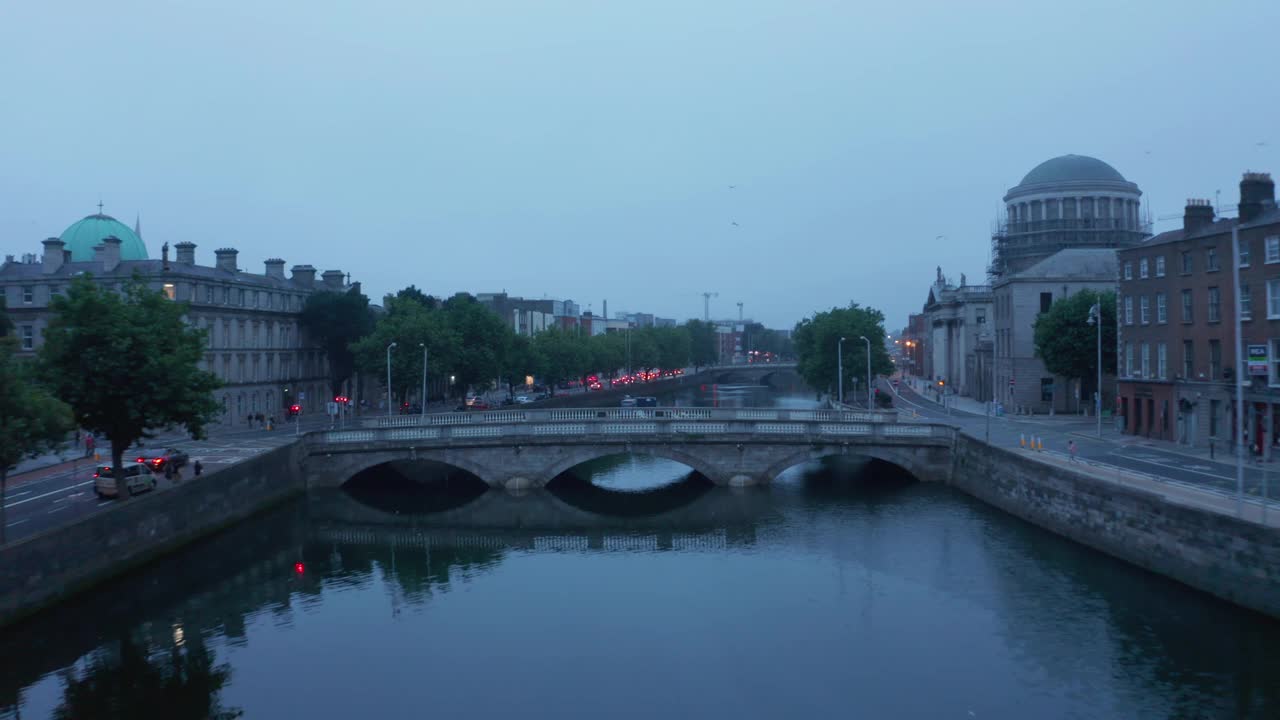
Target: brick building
(1177,359)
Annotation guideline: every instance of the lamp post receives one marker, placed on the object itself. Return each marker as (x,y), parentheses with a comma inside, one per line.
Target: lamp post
(1095,318)
(424,379)
(868,342)
(840,373)
(389,347)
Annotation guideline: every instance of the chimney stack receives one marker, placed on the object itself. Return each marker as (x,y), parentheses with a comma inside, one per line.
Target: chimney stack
(304,275)
(184,253)
(54,255)
(333,279)
(275,268)
(1198,215)
(226,259)
(110,253)
(1257,194)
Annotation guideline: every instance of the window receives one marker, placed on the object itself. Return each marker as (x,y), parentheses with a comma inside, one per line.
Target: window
(28,337)
(1188,314)
(1244,253)
(1128,309)
(1215,359)
(1215,305)
(1211,259)
(1143,268)
(241,303)
(28,294)
(169,291)
(1128,270)
(982,316)
(1188,359)
(1162,308)
(1159,266)
(1162,361)
(1246,303)
(226,296)
(1274,362)
(208,293)
(1146,360)
(1144,307)
(1186,263)
(1046,389)
(1273,299)
(1046,299)
(1128,359)
(1273,249)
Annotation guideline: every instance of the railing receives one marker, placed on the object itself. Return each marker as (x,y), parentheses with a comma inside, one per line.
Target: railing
(486,417)
(815,428)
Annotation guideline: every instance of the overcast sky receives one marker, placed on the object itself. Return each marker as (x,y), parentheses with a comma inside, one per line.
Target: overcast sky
(585,150)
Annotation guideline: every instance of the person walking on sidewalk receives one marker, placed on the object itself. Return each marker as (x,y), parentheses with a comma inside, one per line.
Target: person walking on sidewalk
(1071,448)
(88,445)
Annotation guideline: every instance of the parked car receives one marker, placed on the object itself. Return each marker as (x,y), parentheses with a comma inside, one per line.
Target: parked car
(168,456)
(647,402)
(138,478)
(523,399)
(628,401)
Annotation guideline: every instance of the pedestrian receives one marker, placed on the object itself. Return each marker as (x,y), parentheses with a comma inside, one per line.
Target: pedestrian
(249,419)
(88,446)
(1071,448)
(271,422)
(168,471)
(197,467)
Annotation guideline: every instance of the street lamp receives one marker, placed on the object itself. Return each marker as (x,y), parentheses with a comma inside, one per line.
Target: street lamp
(868,342)
(840,373)
(389,347)
(424,379)
(1095,318)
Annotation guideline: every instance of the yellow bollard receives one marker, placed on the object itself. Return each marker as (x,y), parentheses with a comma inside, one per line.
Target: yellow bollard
(96,457)
(1022,441)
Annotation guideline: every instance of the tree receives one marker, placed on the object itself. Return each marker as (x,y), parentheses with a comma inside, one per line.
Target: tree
(127,363)
(564,355)
(335,320)
(410,324)
(520,360)
(430,302)
(482,340)
(608,352)
(674,347)
(6,324)
(816,339)
(31,420)
(704,347)
(1067,343)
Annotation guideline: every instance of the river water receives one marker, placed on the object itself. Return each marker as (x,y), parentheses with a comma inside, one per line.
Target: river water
(631,589)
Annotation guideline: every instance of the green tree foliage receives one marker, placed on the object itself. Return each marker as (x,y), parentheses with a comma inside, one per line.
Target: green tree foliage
(336,320)
(126,363)
(410,324)
(608,352)
(520,360)
(763,340)
(564,354)
(674,347)
(816,338)
(1068,344)
(31,420)
(482,341)
(704,348)
(182,683)
(6,324)
(430,302)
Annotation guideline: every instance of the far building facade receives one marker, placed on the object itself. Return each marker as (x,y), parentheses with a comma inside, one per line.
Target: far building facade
(957,321)
(256,345)
(1062,227)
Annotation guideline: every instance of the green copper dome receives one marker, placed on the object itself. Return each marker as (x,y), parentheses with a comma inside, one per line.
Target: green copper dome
(84,234)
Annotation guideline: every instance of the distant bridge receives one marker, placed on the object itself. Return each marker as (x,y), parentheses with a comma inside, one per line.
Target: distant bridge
(729,446)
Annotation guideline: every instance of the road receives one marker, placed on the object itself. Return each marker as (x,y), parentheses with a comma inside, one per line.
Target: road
(1113,451)
(52,496)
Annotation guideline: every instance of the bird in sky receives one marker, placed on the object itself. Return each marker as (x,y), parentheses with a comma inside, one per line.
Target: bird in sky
(732,187)
(734,223)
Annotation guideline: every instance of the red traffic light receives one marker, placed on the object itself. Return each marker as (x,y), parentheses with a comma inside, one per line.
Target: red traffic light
(299,568)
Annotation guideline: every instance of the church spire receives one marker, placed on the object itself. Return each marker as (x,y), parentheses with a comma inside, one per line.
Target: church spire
(137,225)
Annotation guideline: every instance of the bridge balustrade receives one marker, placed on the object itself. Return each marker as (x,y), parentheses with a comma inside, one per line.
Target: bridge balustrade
(629,414)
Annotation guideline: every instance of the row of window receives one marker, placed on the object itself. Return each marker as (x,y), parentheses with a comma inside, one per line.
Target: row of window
(264,368)
(248,333)
(1214,297)
(1271,246)
(213,295)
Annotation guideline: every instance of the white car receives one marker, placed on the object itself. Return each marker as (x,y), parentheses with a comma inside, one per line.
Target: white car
(523,399)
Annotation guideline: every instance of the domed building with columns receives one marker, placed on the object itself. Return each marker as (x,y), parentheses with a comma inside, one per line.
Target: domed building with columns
(1063,225)
(256,344)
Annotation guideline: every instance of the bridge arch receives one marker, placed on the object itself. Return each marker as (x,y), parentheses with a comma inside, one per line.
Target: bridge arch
(585,454)
(353,464)
(907,460)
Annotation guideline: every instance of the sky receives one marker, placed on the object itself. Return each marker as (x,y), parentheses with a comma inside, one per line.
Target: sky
(790,155)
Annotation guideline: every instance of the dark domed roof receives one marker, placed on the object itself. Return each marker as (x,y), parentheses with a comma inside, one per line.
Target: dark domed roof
(1071,168)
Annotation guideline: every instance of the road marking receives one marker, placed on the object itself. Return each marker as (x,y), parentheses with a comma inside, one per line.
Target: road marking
(51,492)
(17,522)
(1176,467)
(60,507)
(19,494)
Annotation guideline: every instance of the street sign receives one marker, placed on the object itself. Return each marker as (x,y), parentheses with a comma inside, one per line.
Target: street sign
(333,408)
(302,395)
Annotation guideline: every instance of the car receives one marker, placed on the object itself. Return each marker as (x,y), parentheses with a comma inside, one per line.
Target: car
(294,410)
(138,478)
(628,401)
(478,404)
(523,399)
(647,402)
(168,456)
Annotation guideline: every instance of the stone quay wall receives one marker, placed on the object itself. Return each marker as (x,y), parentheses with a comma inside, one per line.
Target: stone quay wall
(44,569)
(1236,560)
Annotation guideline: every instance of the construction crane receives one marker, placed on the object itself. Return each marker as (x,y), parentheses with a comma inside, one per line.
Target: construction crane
(706,304)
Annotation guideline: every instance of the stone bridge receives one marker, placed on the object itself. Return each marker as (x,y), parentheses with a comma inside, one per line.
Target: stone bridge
(517,449)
